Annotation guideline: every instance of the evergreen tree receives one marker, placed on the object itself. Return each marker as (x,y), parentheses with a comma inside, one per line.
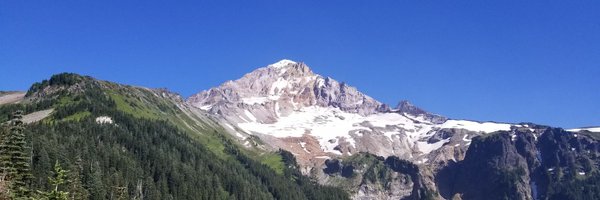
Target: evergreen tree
(139,157)
(14,159)
(76,188)
(58,178)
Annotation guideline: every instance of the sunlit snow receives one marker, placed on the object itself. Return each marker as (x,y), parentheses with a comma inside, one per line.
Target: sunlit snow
(486,127)
(326,123)
(282,63)
(104,120)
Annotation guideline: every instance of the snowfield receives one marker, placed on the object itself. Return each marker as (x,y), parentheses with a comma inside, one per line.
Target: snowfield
(486,127)
(289,103)
(330,125)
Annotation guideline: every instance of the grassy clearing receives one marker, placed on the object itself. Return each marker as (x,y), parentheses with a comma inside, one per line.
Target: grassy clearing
(77,116)
(132,106)
(274,161)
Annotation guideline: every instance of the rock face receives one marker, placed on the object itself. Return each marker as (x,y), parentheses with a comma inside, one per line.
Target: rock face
(406,107)
(375,177)
(327,124)
(281,88)
(525,163)
(288,106)
(479,180)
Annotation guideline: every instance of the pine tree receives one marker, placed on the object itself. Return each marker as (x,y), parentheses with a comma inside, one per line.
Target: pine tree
(4,183)
(58,178)
(77,191)
(14,159)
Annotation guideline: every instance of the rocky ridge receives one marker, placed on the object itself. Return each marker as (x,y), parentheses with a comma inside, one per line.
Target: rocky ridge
(288,106)
(345,138)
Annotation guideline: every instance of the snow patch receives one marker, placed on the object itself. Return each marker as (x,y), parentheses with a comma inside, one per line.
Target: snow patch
(327,123)
(330,146)
(259,100)
(486,127)
(282,63)
(250,115)
(465,138)
(390,134)
(206,107)
(239,135)
(104,120)
(278,85)
(320,122)
(320,83)
(426,147)
(303,145)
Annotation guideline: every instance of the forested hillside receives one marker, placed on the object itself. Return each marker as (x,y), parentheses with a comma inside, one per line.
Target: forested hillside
(123,142)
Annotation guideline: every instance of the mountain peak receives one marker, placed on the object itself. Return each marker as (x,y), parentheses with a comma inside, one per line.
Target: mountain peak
(406,107)
(288,84)
(285,69)
(282,63)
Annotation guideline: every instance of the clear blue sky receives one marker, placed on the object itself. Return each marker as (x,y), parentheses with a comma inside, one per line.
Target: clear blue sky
(513,61)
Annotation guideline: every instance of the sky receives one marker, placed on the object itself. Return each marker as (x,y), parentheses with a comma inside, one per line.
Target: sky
(505,61)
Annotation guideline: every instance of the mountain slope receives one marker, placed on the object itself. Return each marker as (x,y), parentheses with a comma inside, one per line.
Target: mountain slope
(520,165)
(284,132)
(124,142)
(345,138)
(290,107)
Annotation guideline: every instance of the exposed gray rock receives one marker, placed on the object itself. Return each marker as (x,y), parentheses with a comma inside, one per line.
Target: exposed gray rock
(279,89)
(408,108)
(284,89)
(11,97)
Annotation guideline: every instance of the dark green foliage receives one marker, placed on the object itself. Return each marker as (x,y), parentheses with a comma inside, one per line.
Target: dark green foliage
(402,166)
(14,158)
(505,182)
(567,155)
(169,164)
(587,188)
(311,189)
(145,158)
(56,80)
(7,109)
(58,178)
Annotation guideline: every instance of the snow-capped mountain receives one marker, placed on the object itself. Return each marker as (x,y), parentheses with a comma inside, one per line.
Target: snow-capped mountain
(288,106)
